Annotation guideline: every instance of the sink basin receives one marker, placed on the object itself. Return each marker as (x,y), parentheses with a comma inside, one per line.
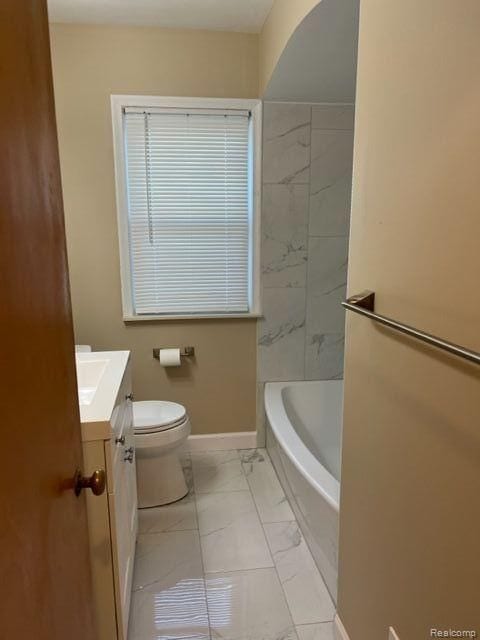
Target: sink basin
(89,374)
(99,376)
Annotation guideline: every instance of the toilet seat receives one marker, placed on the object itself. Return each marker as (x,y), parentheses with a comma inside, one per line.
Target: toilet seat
(156,416)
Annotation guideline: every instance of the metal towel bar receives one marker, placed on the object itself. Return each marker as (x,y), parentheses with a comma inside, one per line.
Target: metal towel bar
(364,304)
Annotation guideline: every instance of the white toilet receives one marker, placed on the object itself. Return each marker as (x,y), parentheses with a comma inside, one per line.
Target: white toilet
(161,428)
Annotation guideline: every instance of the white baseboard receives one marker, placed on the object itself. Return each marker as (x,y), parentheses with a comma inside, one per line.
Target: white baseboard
(339,630)
(223,441)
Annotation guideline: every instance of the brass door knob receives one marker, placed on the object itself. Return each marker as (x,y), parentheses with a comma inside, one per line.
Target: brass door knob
(96,482)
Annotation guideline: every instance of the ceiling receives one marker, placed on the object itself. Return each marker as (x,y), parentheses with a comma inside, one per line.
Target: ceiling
(319,62)
(222,15)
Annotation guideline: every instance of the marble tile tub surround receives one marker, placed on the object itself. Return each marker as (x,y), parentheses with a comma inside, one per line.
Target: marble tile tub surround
(307,177)
(258,579)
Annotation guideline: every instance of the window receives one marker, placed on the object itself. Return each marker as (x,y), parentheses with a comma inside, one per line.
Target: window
(187,175)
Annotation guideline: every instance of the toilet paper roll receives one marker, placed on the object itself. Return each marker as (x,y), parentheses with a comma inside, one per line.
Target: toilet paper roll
(170,357)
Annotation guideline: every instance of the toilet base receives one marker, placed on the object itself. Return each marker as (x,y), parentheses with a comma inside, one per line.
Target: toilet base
(160,478)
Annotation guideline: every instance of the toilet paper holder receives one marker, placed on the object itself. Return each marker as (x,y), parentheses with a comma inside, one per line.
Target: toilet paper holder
(185,352)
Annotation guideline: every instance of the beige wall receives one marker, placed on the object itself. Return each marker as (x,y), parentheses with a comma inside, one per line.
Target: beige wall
(283,19)
(90,63)
(410,511)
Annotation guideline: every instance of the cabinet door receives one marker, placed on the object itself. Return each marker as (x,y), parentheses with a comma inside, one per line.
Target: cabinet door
(123,518)
(100,547)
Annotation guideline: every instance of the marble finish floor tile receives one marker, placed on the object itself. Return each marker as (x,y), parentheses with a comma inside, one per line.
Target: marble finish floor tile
(269,497)
(224,580)
(322,631)
(171,614)
(306,593)
(231,535)
(178,516)
(215,471)
(248,605)
(168,599)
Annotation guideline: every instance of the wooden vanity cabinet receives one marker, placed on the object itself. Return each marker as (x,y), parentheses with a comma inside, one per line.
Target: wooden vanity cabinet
(112,518)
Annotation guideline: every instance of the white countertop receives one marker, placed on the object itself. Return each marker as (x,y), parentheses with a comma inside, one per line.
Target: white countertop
(99,376)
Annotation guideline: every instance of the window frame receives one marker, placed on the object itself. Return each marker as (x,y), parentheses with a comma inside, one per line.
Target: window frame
(118,104)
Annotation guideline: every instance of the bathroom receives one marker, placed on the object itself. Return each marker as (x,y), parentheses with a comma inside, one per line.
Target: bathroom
(230,187)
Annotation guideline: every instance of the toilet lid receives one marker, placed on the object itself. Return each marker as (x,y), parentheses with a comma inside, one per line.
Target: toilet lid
(152,416)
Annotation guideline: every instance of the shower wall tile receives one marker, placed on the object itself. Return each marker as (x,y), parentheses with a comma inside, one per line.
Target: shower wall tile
(261,416)
(286,143)
(325,321)
(330,182)
(326,284)
(284,235)
(330,208)
(324,356)
(325,313)
(281,335)
(333,116)
(307,178)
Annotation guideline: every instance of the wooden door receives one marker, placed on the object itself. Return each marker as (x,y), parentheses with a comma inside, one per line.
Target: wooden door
(45,590)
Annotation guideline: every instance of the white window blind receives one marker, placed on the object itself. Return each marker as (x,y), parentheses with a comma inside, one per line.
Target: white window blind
(189,218)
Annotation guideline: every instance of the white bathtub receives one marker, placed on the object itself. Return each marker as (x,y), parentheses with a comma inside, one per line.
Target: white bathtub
(304,430)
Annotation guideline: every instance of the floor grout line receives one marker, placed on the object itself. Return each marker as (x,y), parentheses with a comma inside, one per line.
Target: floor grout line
(307,241)
(192,492)
(268,544)
(215,573)
(210,493)
(202,559)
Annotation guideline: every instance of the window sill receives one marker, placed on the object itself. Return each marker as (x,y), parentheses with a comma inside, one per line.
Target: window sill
(218,316)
